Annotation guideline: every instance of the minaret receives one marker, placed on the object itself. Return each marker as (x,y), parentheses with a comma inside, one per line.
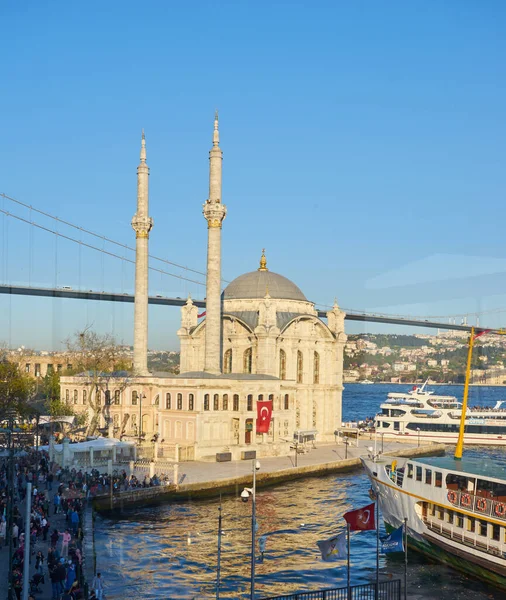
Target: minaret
(214,213)
(141,224)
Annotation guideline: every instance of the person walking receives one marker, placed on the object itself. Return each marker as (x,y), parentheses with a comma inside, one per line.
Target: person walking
(56,503)
(98,586)
(15,534)
(66,537)
(74,519)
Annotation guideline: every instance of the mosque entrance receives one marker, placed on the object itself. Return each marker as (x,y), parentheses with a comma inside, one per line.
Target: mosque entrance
(248,431)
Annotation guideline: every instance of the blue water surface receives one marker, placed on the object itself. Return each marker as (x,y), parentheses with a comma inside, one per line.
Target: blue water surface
(170,551)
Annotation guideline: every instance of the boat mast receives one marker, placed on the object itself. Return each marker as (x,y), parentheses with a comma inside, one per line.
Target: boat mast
(460,444)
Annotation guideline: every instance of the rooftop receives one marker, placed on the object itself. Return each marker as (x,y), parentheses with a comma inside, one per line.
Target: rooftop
(470,465)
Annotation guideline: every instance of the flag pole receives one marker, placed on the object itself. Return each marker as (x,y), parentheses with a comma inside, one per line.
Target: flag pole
(348,570)
(405,558)
(376,595)
(218,566)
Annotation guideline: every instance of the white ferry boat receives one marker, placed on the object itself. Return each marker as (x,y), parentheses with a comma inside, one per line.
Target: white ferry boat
(426,416)
(453,508)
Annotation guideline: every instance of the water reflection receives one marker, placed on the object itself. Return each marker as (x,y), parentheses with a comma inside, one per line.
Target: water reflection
(170,551)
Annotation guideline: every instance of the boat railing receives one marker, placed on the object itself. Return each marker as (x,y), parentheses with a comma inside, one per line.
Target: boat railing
(464,537)
(479,504)
(395,475)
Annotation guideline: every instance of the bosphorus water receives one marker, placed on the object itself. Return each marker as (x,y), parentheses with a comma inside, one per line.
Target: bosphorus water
(169,551)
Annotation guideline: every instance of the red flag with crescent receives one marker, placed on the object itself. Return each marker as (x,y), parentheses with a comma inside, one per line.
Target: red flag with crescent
(264,414)
(361,519)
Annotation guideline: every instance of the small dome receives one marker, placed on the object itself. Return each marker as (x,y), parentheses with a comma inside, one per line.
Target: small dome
(257,283)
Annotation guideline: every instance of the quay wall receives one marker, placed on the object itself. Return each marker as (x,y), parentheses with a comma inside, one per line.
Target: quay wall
(233,485)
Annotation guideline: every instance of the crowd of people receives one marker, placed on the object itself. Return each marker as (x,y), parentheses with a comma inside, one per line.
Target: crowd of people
(62,563)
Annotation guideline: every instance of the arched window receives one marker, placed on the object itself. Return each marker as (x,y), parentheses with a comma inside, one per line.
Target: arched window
(260,397)
(282,364)
(157,400)
(180,401)
(75,396)
(250,402)
(216,402)
(168,400)
(107,397)
(316,368)
(300,366)
(178,430)
(67,396)
(206,402)
(135,396)
(227,361)
(115,421)
(271,399)
(225,401)
(117,397)
(190,401)
(247,360)
(85,396)
(98,396)
(190,430)
(236,401)
(287,401)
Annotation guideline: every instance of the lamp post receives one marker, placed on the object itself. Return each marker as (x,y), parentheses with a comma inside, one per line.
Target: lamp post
(9,415)
(346,444)
(245,494)
(418,431)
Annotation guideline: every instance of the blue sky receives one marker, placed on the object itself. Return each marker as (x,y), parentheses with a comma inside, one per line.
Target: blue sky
(364,147)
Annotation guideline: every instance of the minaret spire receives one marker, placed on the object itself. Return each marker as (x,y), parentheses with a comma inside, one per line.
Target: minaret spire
(216,134)
(141,224)
(214,212)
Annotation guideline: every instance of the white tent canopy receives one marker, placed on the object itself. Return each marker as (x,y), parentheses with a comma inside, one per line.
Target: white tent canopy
(98,444)
(46,419)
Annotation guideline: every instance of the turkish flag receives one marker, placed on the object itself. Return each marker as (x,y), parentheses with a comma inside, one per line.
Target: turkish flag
(361,519)
(264,414)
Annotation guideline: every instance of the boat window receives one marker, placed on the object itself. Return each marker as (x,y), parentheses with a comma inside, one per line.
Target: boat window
(428,476)
(410,470)
(386,412)
(496,532)
(440,513)
(460,521)
(419,473)
(450,517)
(439,479)
(385,424)
(395,412)
(471,523)
(483,528)
(433,510)
(456,482)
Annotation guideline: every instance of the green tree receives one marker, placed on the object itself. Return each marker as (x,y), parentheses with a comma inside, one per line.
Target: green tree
(16,389)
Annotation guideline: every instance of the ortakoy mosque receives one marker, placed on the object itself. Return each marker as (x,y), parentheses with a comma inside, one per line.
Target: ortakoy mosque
(261,340)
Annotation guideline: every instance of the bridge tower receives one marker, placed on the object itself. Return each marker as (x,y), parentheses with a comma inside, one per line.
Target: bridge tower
(141,224)
(214,212)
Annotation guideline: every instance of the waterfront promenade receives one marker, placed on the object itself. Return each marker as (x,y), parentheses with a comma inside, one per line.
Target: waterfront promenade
(57,521)
(210,479)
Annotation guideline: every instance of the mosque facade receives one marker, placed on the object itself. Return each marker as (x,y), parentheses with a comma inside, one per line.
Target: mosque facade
(260,340)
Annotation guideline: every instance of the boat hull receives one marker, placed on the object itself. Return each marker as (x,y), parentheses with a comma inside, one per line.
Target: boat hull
(397,504)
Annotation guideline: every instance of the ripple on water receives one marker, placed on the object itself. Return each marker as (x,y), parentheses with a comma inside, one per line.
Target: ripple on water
(170,551)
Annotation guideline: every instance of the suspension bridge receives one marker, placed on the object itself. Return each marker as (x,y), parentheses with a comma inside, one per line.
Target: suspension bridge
(32,219)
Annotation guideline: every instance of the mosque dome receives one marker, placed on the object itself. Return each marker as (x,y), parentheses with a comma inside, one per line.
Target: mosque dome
(257,283)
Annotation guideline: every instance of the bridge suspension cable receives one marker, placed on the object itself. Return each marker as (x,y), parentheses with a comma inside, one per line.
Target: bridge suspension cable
(103,250)
(97,235)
